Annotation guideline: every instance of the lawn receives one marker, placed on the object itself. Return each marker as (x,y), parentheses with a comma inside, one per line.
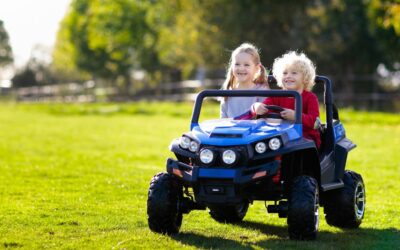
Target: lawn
(76,177)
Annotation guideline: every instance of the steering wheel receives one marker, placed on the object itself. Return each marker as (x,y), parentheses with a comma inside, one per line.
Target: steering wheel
(276,112)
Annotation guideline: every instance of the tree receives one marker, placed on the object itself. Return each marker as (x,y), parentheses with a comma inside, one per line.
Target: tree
(105,38)
(6,56)
(185,37)
(110,38)
(204,32)
(267,24)
(64,56)
(342,44)
(25,77)
(384,23)
(37,70)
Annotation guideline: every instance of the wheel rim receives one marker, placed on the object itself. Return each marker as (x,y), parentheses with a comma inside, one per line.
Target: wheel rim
(359,201)
(316,212)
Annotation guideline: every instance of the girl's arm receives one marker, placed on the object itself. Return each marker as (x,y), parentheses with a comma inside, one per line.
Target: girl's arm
(223,109)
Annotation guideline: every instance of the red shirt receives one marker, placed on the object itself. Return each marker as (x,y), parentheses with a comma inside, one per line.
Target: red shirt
(309,115)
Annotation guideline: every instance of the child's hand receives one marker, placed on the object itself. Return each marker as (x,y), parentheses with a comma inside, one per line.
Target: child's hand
(288,114)
(259,108)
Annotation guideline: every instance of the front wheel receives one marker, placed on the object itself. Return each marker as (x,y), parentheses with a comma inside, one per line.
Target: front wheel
(163,213)
(303,213)
(345,207)
(229,214)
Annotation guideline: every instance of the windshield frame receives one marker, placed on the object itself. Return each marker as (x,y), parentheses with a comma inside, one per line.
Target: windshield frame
(246,93)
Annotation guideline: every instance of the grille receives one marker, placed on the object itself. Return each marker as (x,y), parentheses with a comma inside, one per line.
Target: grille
(218,135)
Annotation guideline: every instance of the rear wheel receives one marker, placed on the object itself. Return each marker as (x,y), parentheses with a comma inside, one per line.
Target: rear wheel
(345,207)
(303,215)
(163,213)
(230,214)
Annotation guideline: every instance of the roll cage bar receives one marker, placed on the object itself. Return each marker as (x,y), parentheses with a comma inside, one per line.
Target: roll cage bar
(243,93)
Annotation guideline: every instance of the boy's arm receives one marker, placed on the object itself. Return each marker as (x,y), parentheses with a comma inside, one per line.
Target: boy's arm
(311,112)
(267,101)
(248,115)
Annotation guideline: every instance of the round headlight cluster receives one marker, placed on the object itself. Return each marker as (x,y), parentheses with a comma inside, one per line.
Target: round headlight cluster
(260,147)
(187,143)
(184,142)
(229,156)
(273,144)
(206,156)
(193,146)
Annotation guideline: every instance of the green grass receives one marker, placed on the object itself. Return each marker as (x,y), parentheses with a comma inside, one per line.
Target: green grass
(76,177)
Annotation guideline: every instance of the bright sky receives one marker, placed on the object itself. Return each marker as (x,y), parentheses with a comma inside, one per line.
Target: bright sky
(30,23)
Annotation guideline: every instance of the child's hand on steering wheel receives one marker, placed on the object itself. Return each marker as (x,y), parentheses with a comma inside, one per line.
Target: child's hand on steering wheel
(259,108)
(288,114)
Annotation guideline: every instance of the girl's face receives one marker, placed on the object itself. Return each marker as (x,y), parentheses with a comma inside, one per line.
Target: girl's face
(293,79)
(244,68)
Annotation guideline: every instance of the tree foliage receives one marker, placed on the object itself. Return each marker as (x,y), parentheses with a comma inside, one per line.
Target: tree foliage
(36,71)
(274,27)
(384,23)
(6,56)
(109,38)
(204,32)
(103,37)
(341,42)
(185,37)
(25,77)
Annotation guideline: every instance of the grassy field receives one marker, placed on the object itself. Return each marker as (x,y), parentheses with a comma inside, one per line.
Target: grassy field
(76,177)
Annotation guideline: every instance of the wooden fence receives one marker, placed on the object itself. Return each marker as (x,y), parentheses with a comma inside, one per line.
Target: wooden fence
(88,92)
(177,91)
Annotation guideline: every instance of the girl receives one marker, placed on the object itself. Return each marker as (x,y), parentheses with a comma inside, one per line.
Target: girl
(245,72)
(295,71)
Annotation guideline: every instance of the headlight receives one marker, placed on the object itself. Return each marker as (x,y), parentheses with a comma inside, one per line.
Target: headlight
(229,156)
(193,146)
(206,156)
(274,143)
(260,147)
(184,142)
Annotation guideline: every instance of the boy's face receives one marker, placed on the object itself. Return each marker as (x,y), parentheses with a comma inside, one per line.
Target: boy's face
(293,79)
(244,68)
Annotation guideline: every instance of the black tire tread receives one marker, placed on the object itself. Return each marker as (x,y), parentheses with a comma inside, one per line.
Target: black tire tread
(339,205)
(301,221)
(162,204)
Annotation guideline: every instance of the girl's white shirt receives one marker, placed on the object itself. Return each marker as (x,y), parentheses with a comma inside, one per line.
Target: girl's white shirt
(235,106)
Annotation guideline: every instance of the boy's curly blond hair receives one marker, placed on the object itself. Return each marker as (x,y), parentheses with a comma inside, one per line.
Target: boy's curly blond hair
(297,61)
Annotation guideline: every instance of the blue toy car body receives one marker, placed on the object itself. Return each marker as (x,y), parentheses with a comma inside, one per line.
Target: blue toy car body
(226,164)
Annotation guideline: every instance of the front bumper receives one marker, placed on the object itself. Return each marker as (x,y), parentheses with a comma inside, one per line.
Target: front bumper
(221,185)
(240,175)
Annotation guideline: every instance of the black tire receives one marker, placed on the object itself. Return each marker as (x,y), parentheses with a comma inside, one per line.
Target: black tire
(229,214)
(345,207)
(163,213)
(303,213)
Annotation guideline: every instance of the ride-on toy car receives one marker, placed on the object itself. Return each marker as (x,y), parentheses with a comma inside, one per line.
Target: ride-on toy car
(226,164)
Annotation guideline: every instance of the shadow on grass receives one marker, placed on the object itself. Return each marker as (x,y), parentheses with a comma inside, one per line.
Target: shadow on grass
(243,242)
(207,242)
(361,238)
(272,230)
